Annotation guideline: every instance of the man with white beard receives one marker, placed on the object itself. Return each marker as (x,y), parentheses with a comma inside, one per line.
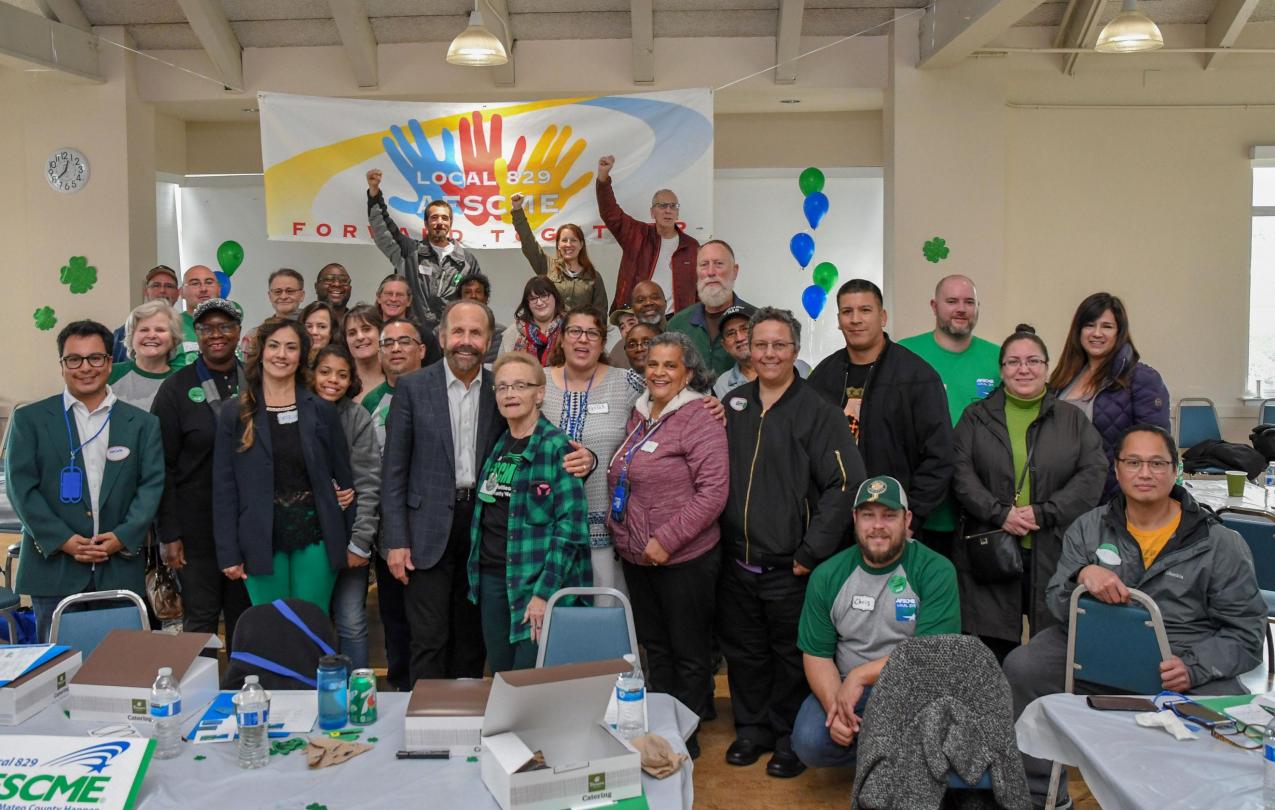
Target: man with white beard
(715,274)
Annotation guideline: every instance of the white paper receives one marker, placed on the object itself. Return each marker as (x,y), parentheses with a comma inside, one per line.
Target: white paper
(289,714)
(16,660)
(1250,714)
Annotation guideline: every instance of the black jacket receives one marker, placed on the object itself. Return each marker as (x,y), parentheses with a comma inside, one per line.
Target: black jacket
(794,472)
(906,428)
(1068,468)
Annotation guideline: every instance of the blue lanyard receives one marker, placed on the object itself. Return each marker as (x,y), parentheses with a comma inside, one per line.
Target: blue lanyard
(642,437)
(70,436)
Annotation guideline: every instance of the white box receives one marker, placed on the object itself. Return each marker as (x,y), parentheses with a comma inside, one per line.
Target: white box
(446,715)
(557,711)
(27,695)
(114,684)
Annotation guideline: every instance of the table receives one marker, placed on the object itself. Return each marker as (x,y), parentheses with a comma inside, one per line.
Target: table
(1127,766)
(372,779)
(1212,493)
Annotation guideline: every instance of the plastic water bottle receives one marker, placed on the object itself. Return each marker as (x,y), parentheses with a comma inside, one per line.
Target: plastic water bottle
(630,701)
(252,713)
(1268,767)
(1270,484)
(166,715)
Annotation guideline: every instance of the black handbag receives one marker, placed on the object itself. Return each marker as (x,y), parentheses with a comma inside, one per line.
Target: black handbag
(995,555)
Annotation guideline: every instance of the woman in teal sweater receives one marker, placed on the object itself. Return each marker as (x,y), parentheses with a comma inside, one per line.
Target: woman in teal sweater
(995,439)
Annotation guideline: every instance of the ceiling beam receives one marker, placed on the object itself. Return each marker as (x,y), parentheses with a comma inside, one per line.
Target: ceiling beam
(1078,29)
(1224,26)
(788,40)
(36,40)
(67,12)
(954,29)
(208,20)
(496,18)
(642,13)
(357,37)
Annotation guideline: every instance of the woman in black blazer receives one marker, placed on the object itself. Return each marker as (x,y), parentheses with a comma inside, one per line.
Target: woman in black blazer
(281,477)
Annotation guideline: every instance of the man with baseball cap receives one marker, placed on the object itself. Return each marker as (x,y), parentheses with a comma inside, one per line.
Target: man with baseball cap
(734,330)
(623,319)
(161,282)
(860,604)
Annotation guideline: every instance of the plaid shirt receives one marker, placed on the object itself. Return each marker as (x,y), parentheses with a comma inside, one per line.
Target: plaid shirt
(548,544)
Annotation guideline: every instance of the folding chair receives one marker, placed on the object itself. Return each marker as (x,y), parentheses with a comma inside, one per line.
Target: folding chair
(578,634)
(1196,421)
(1120,646)
(1259,534)
(1266,412)
(83,630)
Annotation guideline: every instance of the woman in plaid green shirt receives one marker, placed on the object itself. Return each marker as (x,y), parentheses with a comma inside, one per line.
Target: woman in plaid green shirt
(530,533)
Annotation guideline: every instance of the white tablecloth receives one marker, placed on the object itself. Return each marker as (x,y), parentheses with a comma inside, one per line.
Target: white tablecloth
(1127,766)
(370,780)
(1212,492)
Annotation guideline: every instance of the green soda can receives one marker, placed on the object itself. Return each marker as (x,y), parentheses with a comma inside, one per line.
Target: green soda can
(363,697)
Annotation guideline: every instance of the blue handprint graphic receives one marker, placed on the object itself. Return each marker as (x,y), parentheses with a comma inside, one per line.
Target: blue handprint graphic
(418,165)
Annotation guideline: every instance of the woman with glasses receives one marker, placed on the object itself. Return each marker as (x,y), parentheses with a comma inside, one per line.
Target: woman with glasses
(590,402)
(320,324)
(636,343)
(362,329)
(1027,464)
(529,536)
(281,469)
(1100,373)
(153,336)
(571,271)
(537,326)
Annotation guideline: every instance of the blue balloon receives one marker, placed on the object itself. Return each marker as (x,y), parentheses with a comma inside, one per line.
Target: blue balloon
(224,281)
(815,206)
(802,247)
(813,298)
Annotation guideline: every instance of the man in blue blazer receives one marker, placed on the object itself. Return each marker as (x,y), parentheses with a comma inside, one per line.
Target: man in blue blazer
(85,474)
(442,426)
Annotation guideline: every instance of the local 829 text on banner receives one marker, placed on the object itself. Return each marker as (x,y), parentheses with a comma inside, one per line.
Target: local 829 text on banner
(317,152)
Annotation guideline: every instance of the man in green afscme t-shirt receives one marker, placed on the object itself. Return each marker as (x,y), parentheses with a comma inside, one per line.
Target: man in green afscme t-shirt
(970,370)
(860,603)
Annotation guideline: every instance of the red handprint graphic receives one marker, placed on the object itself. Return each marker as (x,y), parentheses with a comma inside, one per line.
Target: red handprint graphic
(479,154)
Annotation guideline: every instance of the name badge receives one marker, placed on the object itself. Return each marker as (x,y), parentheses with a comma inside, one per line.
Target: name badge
(287,417)
(599,407)
(117,453)
(905,610)
(650,447)
(863,603)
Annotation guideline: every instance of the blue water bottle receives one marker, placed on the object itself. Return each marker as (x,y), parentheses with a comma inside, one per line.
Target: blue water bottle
(333,680)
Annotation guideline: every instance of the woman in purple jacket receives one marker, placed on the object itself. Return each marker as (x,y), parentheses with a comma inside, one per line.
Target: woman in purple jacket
(1100,373)
(669,481)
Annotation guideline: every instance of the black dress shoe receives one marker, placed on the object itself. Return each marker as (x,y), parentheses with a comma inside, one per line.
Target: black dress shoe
(784,765)
(692,746)
(743,752)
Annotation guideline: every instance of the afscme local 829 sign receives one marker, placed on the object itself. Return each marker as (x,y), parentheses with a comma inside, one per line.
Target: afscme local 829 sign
(317,152)
(61,773)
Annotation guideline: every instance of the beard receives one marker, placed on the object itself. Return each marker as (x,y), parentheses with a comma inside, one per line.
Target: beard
(653,318)
(715,295)
(891,553)
(948,329)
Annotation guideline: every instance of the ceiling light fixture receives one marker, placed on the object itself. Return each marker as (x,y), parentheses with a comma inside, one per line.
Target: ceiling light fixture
(476,46)
(1130,31)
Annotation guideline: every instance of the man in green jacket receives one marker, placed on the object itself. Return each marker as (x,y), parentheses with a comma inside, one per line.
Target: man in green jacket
(715,274)
(85,474)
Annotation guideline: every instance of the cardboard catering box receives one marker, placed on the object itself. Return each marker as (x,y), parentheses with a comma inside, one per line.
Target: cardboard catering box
(115,681)
(26,695)
(446,715)
(545,745)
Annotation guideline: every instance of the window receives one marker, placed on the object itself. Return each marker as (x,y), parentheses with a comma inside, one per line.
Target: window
(1261,313)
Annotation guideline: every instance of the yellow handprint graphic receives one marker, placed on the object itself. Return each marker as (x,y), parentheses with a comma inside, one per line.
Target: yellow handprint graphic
(542,176)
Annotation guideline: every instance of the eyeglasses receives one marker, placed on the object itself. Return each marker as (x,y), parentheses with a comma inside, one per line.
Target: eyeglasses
(644,343)
(335,281)
(162,285)
(279,292)
(224,328)
(96,360)
(539,297)
(1032,363)
(1158,466)
(577,332)
(666,206)
(208,282)
(735,334)
(519,387)
(1232,732)
(779,346)
(406,341)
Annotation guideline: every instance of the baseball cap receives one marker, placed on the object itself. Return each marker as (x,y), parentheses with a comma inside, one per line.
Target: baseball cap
(162,269)
(881,489)
(732,312)
(228,308)
(619,313)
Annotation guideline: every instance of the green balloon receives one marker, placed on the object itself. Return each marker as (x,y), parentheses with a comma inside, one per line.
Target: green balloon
(826,275)
(811,180)
(229,256)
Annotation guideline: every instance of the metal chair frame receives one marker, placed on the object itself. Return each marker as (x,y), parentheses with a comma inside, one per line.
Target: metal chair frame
(610,592)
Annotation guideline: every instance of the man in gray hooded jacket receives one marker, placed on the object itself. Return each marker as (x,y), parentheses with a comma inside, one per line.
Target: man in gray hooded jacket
(1152,536)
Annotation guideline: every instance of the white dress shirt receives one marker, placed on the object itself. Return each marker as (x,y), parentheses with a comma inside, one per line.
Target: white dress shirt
(462,405)
(93,453)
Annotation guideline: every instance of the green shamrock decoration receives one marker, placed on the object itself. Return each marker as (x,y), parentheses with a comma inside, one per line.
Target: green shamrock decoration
(45,319)
(200,757)
(936,250)
(79,275)
(316,806)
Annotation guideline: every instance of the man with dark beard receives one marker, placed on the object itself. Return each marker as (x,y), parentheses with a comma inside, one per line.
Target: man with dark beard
(860,604)
(715,274)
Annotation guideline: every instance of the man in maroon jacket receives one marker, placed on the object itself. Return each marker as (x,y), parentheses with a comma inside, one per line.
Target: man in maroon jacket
(655,251)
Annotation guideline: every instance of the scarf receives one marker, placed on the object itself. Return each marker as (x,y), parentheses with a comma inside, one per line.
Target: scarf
(533,340)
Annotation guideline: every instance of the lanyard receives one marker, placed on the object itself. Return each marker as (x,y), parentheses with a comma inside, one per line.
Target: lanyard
(641,439)
(70,436)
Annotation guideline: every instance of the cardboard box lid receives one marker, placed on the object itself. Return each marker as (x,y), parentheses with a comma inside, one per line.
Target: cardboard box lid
(551,697)
(132,657)
(55,661)
(465,697)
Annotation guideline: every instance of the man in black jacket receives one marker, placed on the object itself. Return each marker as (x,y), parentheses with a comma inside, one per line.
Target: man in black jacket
(794,470)
(893,401)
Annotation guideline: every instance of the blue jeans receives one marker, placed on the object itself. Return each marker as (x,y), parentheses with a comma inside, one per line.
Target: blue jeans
(810,739)
(349,612)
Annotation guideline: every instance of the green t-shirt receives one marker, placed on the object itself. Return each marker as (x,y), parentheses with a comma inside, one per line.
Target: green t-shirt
(856,613)
(377,402)
(967,377)
(1019,414)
